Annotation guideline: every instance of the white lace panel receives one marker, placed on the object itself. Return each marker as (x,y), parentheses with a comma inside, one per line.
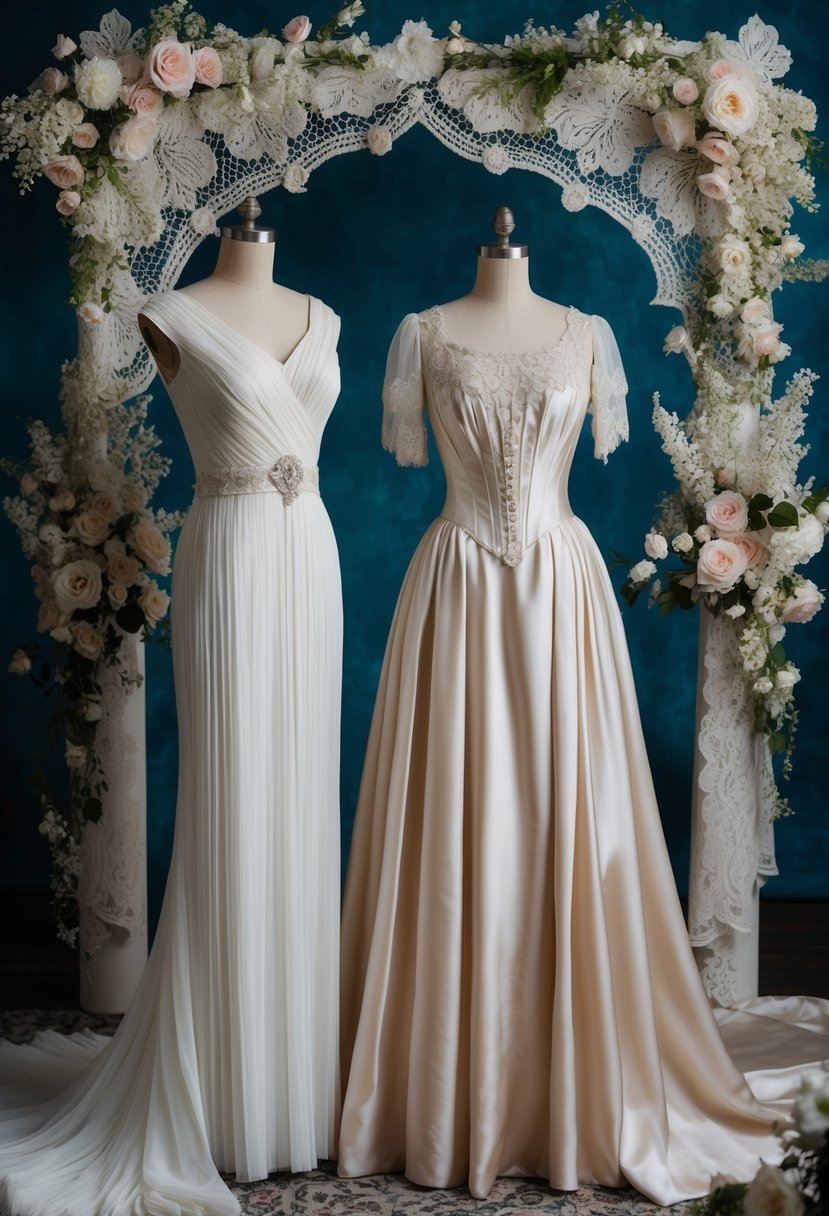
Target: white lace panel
(404,432)
(608,392)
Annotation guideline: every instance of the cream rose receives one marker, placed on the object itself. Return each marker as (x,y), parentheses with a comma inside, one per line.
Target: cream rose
(75,756)
(787,678)
(151,546)
(172,67)
(154,602)
(106,503)
(727,512)
(685,90)
(117,595)
(92,527)
(50,81)
(656,545)
(731,103)
(97,82)
(766,339)
(63,500)
(715,184)
(142,98)
(720,305)
(379,140)
(791,246)
(675,128)
(86,135)
(683,543)
(720,565)
(732,253)
(763,686)
(67,202)
(675,339)
(754,549)
(297,29)
(77,585)
(64,171)
(803,605)
(208,67)
(134,139)
(717,148)
(64,47)
(122,568)
(20,663)
(754,310)
(641,572)
(86,640)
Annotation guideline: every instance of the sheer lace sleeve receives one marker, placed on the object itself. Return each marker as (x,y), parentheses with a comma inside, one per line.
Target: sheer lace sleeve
(404,432)
(608,390)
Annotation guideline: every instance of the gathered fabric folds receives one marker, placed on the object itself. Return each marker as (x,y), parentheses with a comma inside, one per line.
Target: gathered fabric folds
(519,995)
(227,1060)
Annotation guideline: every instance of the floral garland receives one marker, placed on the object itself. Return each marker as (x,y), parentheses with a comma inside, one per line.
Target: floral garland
(118,127)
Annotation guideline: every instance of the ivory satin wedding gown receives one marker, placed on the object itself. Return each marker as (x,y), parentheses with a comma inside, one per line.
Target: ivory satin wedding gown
(228,1057)
(518,991)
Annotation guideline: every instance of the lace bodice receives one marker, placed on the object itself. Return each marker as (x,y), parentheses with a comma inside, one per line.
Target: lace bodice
(505,424)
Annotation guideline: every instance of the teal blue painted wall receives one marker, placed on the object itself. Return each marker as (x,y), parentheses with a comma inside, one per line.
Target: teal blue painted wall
(377,238)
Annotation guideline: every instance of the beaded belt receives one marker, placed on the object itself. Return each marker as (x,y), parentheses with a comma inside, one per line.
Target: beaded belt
(288,476)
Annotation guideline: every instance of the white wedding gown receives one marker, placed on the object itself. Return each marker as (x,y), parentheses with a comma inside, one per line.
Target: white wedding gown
(227,1058)
(519,994)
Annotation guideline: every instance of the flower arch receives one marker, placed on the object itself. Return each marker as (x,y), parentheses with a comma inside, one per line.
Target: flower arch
(696,148)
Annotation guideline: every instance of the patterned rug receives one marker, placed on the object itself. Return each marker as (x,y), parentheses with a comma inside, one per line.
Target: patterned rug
(321,1193)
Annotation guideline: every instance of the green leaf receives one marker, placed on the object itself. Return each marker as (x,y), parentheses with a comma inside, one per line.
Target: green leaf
(760,502)
(784,515)
(756,521)
(777,742)
(130,617)
(92,810)
(778,655)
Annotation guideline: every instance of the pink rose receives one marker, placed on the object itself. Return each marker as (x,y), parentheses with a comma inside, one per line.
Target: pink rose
(766,339)
(756,552)
(85,136)
(727,512)
(64,171)
(716,147)
(754,310)
(172,67)
(142,98)
(63,47)
(719,68)
(208,67)
(803,605)
(50,81)
(68,201)
(719,566)
(714,184)
(297,30)
(685,90)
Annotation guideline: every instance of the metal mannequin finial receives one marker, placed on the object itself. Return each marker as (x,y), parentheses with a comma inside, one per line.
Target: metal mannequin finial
(504,223)
(250,211)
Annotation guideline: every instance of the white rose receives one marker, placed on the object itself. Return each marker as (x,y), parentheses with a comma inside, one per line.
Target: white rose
(682,543)
(103,475)
(133,139)
(675,339)
(811,1113)
(379,140)
(822,512)
(754,310)
(763,686)
(20,663)
(641,572)
(791,246)
(732,253)
(656,545)
(64,47)
(154,602)
(75,756)
(787,678)
(727,512)
(720,565)
(731,103)
(720,305)
(803,605)
(97,82)
(77,585)
(86,641)
(414,55)
(117,595)
(675,128)
(151,546)
(455,46)
(766,339)
(736,610)
(771,1194)
(261,65)
(92,527)
(106,503)
(703,533)
(715,184)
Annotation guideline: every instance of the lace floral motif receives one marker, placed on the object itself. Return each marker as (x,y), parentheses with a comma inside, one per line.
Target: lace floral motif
(403,431)
(610,425)
(506,382)
(288,476)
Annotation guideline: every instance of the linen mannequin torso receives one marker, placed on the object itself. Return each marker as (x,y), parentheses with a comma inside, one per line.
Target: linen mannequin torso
(502,313)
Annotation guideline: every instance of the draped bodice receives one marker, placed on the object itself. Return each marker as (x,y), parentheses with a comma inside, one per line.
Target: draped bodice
(238,405)
(505,424)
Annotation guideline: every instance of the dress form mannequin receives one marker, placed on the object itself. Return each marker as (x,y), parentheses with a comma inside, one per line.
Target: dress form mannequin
(241,293)
(502,312)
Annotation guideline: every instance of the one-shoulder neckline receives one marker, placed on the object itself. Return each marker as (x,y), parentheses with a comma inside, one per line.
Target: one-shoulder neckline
(313,302)
(547,349)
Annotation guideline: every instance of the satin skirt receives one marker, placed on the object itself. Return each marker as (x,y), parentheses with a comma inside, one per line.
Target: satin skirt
(228,1057)
(518,991)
